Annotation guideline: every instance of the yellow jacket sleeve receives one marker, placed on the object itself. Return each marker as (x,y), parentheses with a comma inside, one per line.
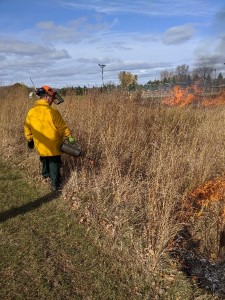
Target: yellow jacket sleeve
(60,124)
(27,131)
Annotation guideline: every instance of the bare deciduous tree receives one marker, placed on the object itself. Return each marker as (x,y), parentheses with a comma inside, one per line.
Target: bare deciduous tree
(182,72)
(203,72)
(166,75)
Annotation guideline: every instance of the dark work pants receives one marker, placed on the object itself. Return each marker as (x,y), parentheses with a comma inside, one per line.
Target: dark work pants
(51,168)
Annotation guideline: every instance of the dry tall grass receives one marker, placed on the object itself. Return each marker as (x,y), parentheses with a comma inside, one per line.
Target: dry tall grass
(144,160)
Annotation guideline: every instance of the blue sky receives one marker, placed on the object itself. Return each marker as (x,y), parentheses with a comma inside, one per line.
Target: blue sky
(62,42)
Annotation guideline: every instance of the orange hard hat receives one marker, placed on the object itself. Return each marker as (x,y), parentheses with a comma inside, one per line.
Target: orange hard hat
(48,90)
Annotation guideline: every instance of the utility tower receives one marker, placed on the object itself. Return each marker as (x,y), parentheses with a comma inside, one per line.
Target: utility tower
(102,67)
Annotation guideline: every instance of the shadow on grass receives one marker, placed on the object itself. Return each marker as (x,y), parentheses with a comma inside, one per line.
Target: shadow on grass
(14,212)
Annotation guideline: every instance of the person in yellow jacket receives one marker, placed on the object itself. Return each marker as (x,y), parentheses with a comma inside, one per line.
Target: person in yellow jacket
(45,129)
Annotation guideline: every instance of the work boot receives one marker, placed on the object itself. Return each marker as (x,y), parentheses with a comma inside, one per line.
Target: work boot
(46,179)
(54,188)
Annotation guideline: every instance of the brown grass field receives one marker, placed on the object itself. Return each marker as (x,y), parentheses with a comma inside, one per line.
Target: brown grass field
(137,182)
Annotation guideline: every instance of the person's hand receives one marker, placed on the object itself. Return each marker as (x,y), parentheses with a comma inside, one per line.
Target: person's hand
(30,144)
(71,140)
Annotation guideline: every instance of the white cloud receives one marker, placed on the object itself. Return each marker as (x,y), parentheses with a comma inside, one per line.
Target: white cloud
(178,34)
(146,7)
(20,48)
(74,31)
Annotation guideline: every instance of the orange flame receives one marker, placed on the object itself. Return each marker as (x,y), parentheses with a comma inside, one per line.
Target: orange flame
(181,96)
(184,96)
(207,194)
(215,101)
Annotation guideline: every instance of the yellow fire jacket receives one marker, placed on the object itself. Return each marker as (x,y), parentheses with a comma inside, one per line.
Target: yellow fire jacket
(45,125)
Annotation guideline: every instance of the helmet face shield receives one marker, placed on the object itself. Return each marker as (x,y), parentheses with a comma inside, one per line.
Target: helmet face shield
(57,98)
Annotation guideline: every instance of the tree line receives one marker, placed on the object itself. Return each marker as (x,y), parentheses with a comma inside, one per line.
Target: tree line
(181,74)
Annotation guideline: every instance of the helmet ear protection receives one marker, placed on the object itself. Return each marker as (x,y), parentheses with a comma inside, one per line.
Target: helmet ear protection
(40,92)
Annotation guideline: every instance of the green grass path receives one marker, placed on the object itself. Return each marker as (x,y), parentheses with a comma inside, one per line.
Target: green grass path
(44,253)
